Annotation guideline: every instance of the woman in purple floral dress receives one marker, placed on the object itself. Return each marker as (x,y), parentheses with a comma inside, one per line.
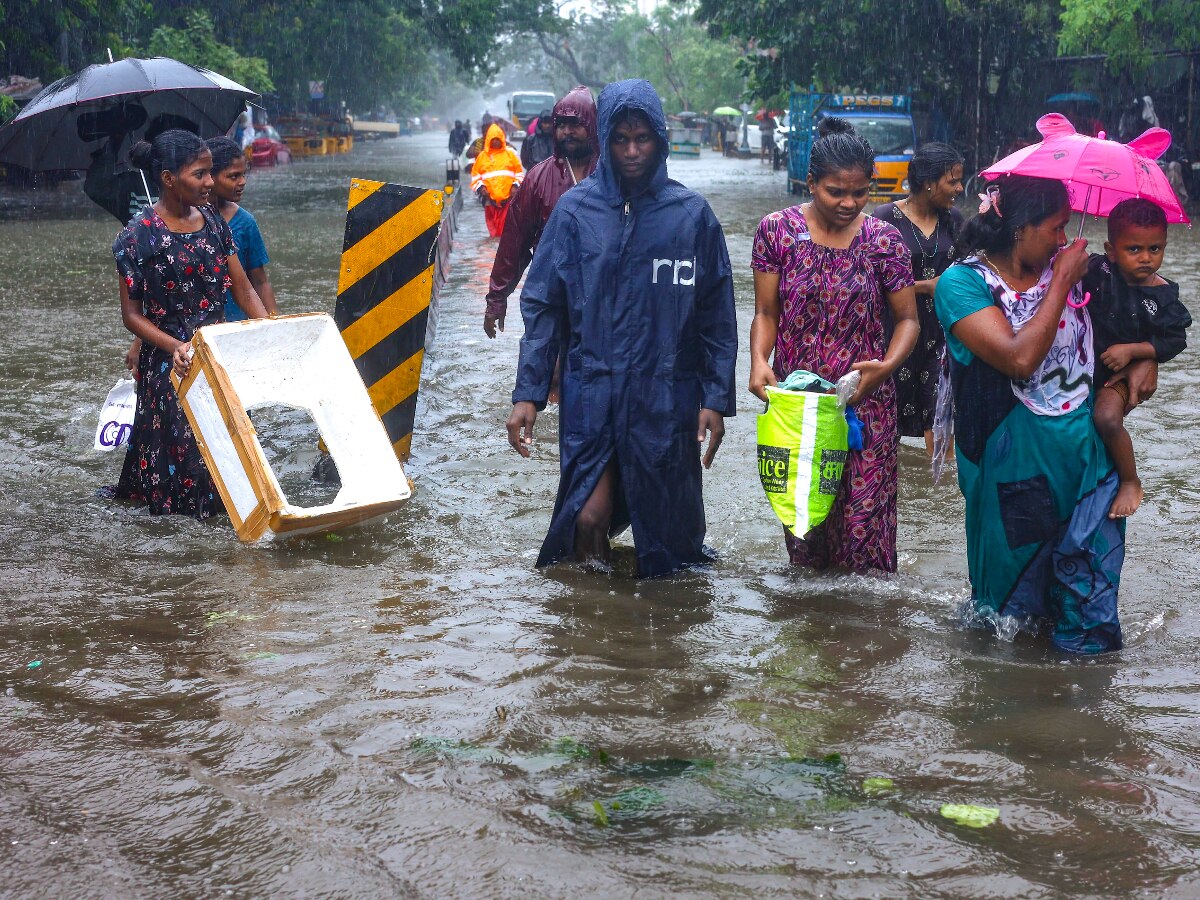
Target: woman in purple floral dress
(175,260)
(822,274)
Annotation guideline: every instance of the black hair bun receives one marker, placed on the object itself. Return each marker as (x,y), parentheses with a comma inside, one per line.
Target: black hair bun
(139,155)
(834,125)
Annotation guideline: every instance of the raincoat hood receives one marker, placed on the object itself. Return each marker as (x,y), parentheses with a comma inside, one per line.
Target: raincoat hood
(494,131)
(579,103)
(614,99)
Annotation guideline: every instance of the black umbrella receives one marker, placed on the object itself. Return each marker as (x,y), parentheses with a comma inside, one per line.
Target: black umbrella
(77,117)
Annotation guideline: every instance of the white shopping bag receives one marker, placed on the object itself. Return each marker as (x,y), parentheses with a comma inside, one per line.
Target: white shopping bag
(116,419)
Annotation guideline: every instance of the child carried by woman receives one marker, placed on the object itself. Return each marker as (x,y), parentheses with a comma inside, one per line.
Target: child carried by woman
(1136,314)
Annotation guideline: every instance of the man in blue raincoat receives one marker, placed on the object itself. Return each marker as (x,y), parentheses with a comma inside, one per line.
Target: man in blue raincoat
(631,280)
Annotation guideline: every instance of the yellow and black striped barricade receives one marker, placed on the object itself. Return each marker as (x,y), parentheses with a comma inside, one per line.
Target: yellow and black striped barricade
(384,289)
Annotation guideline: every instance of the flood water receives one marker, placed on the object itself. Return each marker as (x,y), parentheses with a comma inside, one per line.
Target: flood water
(411,709)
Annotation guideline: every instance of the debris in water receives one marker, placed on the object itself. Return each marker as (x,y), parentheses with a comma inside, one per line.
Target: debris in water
(874,787)
(36,664)
(970,815)
(601,815)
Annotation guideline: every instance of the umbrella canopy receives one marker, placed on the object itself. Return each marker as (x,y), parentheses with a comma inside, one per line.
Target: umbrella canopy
(1101,172)
(726,111)
(68,122)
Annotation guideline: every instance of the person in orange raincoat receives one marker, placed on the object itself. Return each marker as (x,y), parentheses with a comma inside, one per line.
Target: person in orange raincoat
(495,175)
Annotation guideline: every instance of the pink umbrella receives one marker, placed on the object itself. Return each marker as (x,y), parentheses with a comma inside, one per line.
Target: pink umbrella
(1110,171)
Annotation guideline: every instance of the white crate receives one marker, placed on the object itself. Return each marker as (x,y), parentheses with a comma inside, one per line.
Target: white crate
(297,361)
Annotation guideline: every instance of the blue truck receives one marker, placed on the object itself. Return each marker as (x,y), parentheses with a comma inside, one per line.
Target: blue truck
(885,120)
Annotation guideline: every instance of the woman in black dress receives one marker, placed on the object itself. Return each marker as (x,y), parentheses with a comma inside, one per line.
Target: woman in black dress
(175,260)
(928,222)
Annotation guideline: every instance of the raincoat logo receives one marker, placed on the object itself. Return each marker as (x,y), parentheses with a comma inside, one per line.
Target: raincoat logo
(676,266)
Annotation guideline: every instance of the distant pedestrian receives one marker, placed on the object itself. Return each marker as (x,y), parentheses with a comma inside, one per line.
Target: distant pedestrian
(495,174)
(458,139)
(539,146)
(766,131)
(175,260)
(576,151)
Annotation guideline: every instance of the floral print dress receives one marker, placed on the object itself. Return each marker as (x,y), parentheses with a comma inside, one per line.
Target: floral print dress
(832,304)
(179,280)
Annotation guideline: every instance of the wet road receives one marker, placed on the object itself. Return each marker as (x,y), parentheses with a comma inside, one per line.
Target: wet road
(414,710)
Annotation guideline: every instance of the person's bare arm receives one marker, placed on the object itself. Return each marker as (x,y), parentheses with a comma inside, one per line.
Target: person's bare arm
(148,332)
(1142,377)
(262,286)
(243,292)
(763,331)
(132,354)
(876,371)
(1118,356)
(989,335)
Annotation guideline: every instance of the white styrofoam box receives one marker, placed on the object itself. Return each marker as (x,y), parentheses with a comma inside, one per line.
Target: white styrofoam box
(298,361)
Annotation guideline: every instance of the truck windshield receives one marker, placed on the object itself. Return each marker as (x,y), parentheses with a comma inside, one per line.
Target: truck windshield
(886,136)
(526,106)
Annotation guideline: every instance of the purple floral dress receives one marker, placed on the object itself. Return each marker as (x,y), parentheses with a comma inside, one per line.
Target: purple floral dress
(179,280)
(832,316)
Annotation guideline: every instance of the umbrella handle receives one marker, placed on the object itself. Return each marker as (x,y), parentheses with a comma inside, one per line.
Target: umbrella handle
(1087,298)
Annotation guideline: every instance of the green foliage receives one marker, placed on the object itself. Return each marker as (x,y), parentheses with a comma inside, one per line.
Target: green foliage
(669,48)
(197,44)
(48,39)
(690,70)
(1128,32)
(957,55)
(8,108)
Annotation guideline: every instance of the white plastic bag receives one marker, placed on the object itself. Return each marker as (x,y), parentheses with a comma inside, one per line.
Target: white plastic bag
(116,419)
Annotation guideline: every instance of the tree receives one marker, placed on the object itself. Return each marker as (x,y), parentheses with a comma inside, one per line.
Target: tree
(48,39)
(688,68)
(969,60)
(1129,32)
(196,45)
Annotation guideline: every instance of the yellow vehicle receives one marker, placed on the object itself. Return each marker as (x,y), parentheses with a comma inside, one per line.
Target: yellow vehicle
(309,136)
(524,106)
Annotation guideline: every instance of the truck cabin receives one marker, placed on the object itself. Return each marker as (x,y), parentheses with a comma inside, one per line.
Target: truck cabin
(884,120)
(525,106)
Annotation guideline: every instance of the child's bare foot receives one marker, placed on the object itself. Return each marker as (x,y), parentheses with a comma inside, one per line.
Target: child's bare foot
(1128,499)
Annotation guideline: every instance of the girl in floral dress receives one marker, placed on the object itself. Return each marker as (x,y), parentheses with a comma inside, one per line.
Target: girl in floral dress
(823,273)
(174,261)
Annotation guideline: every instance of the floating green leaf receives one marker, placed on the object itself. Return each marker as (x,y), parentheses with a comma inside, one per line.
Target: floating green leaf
(970,815)
(601,815)
(873,787)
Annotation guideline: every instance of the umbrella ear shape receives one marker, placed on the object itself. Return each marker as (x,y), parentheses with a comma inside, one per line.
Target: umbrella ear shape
(1151,143)
(1054,125)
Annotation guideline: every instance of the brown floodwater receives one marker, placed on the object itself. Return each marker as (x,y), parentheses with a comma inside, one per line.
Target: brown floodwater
(412,709)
